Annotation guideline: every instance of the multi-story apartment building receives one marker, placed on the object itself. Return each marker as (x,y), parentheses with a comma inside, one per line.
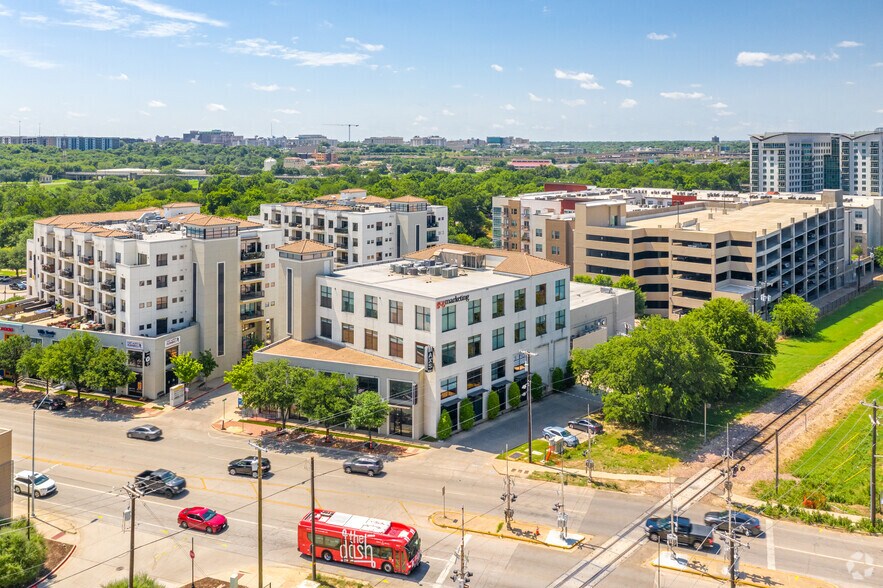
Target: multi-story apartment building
(64,142)
(164,281)
(753,252)
(860,163)
(443,327)
(361,228)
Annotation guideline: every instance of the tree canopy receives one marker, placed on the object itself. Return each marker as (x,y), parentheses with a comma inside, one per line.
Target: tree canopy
(68,360)
(109,370)
(12,349)
(369,411)
(794,316)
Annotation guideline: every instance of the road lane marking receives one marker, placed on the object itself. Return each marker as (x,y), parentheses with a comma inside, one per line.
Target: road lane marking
(815,554)
(770,547)
(443,576)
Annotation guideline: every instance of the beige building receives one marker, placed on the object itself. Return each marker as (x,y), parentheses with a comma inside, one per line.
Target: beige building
(7,471)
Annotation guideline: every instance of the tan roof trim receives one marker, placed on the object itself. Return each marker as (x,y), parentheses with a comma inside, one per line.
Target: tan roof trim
(317,350)
(304,246)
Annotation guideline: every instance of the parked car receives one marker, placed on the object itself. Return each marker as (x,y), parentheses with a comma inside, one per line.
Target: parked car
(43,484)
(147,432)
(587,424)
(698,536)
(246,466)
(742,523)
(5,279)
(363,465)
(160,482)
(52,403)
(569,438)
(202,519)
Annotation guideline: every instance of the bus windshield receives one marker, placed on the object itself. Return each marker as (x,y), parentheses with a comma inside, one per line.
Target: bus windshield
(413,547)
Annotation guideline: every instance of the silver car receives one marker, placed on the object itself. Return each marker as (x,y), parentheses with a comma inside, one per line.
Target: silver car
(146,432)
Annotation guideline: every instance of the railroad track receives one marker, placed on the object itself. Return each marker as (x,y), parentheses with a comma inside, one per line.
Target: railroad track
(702,483)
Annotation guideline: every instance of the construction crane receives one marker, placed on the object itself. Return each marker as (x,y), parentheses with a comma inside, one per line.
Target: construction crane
(349,129)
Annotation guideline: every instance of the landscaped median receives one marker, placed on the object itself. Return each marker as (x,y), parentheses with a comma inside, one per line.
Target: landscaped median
(484,524)
(699,564)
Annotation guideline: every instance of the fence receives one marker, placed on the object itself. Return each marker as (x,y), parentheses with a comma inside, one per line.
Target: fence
(830,307)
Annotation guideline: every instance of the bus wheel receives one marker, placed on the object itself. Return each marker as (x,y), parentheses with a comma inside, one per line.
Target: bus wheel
(326,555)
(387,567)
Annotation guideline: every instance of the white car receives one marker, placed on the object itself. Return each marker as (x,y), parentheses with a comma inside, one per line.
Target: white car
(43,484)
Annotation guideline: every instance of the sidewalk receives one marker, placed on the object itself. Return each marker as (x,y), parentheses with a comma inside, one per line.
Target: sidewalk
(524,470)
(746,575)
(759,504)
(496,527)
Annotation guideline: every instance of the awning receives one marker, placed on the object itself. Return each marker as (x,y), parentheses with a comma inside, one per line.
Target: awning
(450,401)
(502,385)
(476,392)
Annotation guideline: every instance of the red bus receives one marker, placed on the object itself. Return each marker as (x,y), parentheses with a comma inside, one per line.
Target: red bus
(361,541)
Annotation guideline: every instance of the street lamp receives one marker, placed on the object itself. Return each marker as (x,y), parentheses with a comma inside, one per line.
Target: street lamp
(32,510)
(224,417)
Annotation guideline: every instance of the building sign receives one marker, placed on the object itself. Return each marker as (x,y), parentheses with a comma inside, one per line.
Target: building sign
(173,341)
(428,358)
(136,345)
(452,300)
(7,329)
(45,333)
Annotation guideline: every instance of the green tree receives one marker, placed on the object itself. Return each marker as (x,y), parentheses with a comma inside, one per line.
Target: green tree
(141,580)
(109,370)
(599,280)
(186,368)
(467,415)
(741,334)
(514,395)
(370,412)
(536,388)
(878,256)
(794,316)
(493,405)
(558,379)
(858,251)
(445,428)
(270,384)
(12,349)
(68,360)
(21,558)
(240,375)
(327,400)
(627,282)
(208,363)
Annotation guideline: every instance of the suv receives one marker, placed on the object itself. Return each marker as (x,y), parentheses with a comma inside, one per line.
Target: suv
(43,484)
(363,465)
(569,438)
(48,403)
(246,466)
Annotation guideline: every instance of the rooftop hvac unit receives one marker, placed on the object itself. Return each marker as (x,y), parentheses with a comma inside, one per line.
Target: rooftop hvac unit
(413,271)
(422,270)
(397,268)
(450,272)
(435,270)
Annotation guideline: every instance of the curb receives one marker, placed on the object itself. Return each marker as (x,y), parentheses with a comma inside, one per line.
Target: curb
(717,577)
(51,572)
(501,536)
(195,398)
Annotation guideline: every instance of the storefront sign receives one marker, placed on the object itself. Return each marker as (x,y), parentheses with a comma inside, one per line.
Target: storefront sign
(7,329)
(136,345)
(429,358)
(45,333)
(173,341)
(452,300)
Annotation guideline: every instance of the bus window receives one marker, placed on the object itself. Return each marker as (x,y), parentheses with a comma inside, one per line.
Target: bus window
(325,541)
(382,552)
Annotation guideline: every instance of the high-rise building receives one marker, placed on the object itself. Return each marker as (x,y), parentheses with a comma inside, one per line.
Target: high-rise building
(860,163)
(213,137)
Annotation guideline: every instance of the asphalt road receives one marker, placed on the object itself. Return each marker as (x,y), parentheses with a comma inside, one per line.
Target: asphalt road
(91,459)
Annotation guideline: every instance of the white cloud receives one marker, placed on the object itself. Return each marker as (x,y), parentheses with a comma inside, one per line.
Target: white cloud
(724,113)
(683,95)
(98,16)
(5,11)
(457,86)
(496,67)
(364,46)
(849,44)
(165,29)
(695,85)
(850,83)
(72,114)
(508,107)
(26,59)
(119,78)
(214,107)
(143,113)
(512,122)
(572,103)
(878,64)
(533,97)
(156,104)
(420,118)
(628,103)
(170,12)
(264,88)
(658,36)
(626,83)
(37,18)
(264,48)
(759,59)
(24,109)
(718,105)
(587,80)
(447,112)
(287,111)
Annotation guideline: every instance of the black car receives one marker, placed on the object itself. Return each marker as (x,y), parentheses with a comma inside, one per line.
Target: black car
(246,466)
(363,465)
(588,425)
(742,523)
(50,403)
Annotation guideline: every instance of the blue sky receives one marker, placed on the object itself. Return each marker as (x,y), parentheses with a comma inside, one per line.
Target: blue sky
(545,69)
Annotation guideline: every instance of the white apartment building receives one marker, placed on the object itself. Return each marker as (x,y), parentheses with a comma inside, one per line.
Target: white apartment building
(192,281)
(443,327)
(361,228)
(860,163)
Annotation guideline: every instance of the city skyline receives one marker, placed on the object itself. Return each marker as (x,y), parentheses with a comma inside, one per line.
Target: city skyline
(546,70)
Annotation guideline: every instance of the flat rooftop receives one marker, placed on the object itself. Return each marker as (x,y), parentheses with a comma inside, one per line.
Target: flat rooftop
(315,349)
(752,219)
(587,294)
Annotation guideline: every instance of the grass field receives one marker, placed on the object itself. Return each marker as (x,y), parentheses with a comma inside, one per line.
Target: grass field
(836,469)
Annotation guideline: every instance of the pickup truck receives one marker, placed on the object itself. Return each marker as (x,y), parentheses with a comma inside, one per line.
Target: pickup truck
(698,536)
(160,482)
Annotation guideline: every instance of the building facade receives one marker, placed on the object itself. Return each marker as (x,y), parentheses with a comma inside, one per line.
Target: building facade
(213,137)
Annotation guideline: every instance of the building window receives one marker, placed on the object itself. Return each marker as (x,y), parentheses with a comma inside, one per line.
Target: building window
(122,283)
(520,331)
(473,379)
(473,346)
(538,232)
(370,306)
(347,333)
(449,318)
(325,328)
(162,302)
(538,247)
(541,325)
(560,320)
(449,354)
(498,303)
(396,315)
(422,318)
(498,340)
(325,296)
(559,290)
(556,250)
(370,340)
(520,299)
(420,353)
(474,311)
(498,370)
(162,259)
(448,387)
(396,347)
(347,301)
(541,295)
(162,281)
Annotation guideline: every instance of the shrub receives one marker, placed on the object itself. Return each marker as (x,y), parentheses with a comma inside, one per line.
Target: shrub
(514,395)
(536,388)
(569,380)
(795,316)
(493,405)
(558,380)
(21,559)
(467,415)
(445,427)
(141,580)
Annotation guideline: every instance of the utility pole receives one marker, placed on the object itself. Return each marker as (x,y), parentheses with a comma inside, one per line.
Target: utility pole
(508,495)
(777,462)
(732,543)
(590,463)
(461,577)
(134,494)
(559,507)
(874,423)
(528,355)
(260,469)
(313,516)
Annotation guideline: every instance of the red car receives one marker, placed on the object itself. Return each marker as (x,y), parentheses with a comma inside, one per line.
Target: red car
(202,519)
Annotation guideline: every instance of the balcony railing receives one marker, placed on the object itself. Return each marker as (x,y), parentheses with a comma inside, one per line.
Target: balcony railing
(109,286)
(48,267)
(254,314)
(342,230)
(48,285)
(247,255)
(66,293)
(111,267)
(87,281)
(66,254)
(251,295)
(108,308)
(86,260)
(69,274)
(251,275)
(86,301)
(431,223)
(431,238)
(45,249)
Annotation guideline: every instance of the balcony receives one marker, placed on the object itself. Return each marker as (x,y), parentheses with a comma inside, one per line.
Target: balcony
(108,308)
(431,238)
(110,267)
(68,273)
(45,249)
(251,295)
(66,293)
(87,281)
(48,286)
(344,230)
(251,315)
(86,301)
(343,259)
(254,275)
(87,260)
(431,222)
(48,267)
(66,254)
(249,255)
(109,286)
(342,244)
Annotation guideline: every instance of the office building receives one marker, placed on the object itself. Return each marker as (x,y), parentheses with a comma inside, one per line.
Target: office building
(361,228)
(384,141)
(75,143)
(213,137)
(432,141)
(443,327)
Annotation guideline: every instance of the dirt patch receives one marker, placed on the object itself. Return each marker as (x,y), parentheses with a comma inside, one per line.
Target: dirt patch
(356,445)
(84,406)
(627,449)
(56,551)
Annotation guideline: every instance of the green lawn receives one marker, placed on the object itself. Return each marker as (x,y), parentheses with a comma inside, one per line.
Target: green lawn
(836,469)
